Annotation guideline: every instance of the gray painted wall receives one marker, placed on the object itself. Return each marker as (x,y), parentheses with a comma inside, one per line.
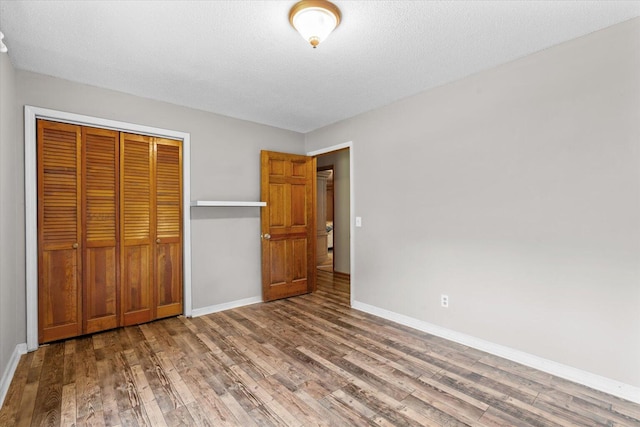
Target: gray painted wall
(225,163)
(341,207)
(12,289)
(515,191)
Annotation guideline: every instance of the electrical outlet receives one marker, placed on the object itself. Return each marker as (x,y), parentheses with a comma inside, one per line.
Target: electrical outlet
(444,301)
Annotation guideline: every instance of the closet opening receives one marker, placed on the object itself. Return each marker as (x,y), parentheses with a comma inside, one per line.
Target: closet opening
(103,251)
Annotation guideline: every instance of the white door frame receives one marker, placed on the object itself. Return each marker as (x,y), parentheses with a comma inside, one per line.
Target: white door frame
(352,210)
(31,114)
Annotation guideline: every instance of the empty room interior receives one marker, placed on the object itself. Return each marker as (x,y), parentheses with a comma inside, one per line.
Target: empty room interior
(312,213)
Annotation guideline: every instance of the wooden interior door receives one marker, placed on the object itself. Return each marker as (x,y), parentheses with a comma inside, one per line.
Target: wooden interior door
(59,231)
(101,235)
(168,233)
(287,224)
(137,225)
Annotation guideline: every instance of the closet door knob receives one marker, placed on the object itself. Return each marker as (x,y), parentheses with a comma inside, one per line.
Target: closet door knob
(266,236)
(157,240)
(74,246)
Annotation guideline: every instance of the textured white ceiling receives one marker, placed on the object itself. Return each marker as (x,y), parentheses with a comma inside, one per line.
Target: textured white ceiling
(243,59)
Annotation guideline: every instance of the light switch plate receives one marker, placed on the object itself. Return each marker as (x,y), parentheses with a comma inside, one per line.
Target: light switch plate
(358,221)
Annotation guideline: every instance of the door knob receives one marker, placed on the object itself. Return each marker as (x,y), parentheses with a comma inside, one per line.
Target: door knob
(157,240)
(74,246)
(266,236)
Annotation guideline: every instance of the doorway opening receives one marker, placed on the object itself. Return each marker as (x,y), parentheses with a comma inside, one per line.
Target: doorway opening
(324,215)
(333,213)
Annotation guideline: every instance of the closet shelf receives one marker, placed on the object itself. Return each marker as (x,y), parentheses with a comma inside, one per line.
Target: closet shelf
(225,203)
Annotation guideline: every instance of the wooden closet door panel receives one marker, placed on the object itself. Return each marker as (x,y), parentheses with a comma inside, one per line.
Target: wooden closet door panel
(168,211)
(137,226)
(100,291)
(59,231)
(169,279)
(100,201)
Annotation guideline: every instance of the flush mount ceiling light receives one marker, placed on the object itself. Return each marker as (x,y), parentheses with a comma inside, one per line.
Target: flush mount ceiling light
(314,19)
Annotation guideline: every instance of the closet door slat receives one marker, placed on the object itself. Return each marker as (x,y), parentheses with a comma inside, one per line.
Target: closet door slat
(59,231)
(168,227)
(136,224)
(100,201)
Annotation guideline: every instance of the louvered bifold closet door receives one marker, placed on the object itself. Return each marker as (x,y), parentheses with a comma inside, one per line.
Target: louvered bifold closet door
(59,231)
(137,226)
(168,210)
(100,202)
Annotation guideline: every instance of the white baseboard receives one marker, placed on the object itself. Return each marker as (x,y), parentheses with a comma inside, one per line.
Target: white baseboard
(597,382)
(7,375)
(225,306)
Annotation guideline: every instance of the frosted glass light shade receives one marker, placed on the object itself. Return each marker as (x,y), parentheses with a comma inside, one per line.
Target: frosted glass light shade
(3,47)
(314,20)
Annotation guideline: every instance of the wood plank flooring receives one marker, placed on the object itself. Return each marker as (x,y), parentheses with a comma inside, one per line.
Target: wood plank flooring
(305,361)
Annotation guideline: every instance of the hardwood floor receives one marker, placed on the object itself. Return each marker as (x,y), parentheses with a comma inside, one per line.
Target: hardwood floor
(305,361)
